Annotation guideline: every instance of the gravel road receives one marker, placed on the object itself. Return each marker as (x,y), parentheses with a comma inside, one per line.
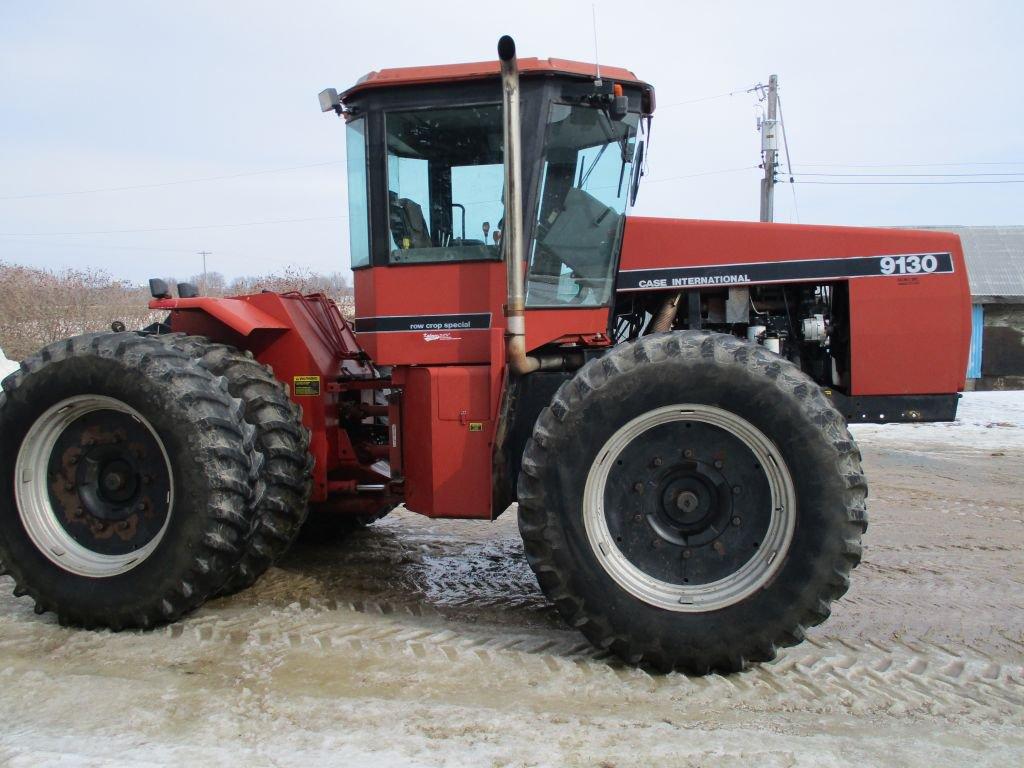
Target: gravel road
(428,643)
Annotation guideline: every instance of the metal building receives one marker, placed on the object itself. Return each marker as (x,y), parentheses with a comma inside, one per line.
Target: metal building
(995,268)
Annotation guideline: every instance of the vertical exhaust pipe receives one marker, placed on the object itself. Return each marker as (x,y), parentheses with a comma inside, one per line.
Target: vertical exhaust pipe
(512,234)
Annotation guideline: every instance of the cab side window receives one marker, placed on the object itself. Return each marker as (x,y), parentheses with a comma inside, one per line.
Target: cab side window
(445,184)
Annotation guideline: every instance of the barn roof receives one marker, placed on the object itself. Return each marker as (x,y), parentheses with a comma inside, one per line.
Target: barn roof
(995,260)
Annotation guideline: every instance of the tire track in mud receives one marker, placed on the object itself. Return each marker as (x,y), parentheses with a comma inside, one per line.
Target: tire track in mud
(824,674)
(908,674)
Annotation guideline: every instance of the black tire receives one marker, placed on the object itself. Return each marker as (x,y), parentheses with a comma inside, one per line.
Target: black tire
(749,382)
(208,464)
(287,472)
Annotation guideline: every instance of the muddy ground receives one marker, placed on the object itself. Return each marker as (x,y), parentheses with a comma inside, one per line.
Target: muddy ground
(428,643)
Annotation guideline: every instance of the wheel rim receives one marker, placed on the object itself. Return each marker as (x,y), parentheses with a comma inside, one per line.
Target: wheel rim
(94,486)
(687,500)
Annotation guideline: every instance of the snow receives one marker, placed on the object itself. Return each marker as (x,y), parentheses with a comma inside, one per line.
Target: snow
(6,366)
(990,421)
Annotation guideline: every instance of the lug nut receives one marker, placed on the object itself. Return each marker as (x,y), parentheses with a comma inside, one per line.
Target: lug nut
(688,453)
(657,461)
(736,490)
(637,518)
(736,520)
(718,463)
(687,554)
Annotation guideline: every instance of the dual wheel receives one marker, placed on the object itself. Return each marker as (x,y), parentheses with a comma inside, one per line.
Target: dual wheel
(149,474)
(691,501)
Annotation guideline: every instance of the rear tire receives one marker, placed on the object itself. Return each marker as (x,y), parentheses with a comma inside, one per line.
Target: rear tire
(692,501)
(287,472)
(125,481)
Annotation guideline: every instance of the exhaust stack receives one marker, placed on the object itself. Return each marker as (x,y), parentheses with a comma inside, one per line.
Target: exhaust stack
(512,234)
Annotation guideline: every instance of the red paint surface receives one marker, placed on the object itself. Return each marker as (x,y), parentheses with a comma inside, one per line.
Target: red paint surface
(447,431)
(446,73)
(910,335)
(291,334)
(453,288)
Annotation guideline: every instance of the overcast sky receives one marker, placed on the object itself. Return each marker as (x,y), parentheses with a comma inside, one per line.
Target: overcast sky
(120,94)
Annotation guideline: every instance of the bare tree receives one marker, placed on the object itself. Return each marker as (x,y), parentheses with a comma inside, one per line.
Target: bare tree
(39,306)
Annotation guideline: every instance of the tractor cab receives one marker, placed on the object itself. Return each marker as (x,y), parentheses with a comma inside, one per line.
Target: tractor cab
(427,202)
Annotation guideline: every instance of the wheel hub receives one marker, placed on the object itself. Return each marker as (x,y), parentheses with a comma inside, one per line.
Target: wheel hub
(689,505)
(95,490)
(109,484)
(695,502)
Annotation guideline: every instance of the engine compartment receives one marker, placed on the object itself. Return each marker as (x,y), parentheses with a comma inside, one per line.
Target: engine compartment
(807,323)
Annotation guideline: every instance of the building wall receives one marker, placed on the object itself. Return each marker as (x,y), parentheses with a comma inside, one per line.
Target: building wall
(977,337)
(997,347)
(1003,346)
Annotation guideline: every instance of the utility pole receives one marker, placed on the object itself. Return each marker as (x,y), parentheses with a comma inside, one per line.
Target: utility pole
(204,254)
(769,151)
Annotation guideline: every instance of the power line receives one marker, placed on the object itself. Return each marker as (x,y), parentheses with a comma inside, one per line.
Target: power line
(907,183)
(103,246)
(704,173)
(908,175)
(172,229)
(856,164)
(171,183)
(705,98)
(789,163)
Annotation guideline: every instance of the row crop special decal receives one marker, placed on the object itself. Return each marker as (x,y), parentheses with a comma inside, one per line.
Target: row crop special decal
(423,323)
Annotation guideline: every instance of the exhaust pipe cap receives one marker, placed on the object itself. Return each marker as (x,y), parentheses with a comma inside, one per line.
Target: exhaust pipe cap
(506,48)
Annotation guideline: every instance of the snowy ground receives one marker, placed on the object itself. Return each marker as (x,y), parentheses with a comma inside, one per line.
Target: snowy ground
(985,420)
(427,643)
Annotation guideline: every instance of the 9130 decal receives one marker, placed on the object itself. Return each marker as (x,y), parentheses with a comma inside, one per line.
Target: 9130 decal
(909,265)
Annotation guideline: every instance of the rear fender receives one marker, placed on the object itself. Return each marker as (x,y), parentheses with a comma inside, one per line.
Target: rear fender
(305,342)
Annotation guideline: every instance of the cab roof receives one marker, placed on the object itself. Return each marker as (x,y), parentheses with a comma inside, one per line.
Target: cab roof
(482,70)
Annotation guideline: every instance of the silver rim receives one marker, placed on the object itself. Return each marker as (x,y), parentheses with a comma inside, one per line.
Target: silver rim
(693,598)
(33,500)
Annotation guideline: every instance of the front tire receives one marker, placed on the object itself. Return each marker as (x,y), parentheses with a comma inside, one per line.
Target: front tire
(125,481)
(692,501)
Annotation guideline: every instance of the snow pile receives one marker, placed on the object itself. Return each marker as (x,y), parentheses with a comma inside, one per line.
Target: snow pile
(987,420)
(6,366)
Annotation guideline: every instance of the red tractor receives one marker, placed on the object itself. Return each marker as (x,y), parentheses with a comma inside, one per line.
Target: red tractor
(667,400)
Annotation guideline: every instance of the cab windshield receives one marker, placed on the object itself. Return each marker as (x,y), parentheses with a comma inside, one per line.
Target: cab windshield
(585,186)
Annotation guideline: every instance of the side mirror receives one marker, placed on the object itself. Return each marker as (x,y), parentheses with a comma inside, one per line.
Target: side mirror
(329,101)
(619,107)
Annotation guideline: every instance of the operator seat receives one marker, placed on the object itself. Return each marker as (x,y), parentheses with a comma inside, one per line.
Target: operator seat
(407,223)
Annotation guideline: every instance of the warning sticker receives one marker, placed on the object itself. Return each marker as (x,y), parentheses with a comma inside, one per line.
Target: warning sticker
(305,386)
(476,426)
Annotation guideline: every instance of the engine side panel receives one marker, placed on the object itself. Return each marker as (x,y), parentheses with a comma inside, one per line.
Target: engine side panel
(910,324)
(447,435)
